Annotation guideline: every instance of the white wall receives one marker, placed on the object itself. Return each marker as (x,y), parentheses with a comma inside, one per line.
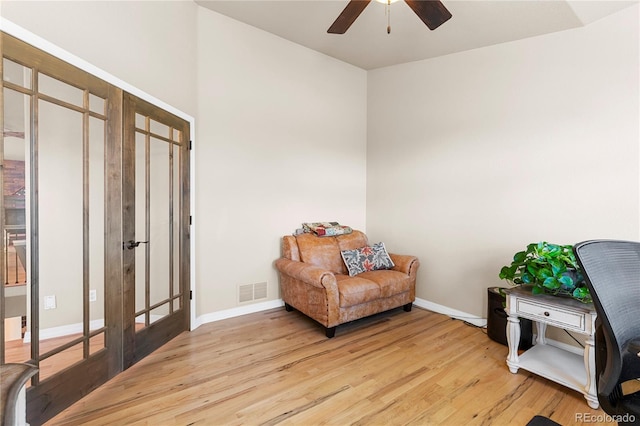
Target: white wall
(281,129)
(281,140)
(463,152)
(148,44)
(472,156)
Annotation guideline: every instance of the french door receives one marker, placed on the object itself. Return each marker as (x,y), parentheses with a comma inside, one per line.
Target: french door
(155,227)
(95,221)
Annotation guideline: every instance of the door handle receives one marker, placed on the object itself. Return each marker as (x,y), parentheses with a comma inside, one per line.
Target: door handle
(131,244)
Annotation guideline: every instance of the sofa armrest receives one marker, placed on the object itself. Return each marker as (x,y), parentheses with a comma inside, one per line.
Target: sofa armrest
(311,290)
(405,263)
(309,274)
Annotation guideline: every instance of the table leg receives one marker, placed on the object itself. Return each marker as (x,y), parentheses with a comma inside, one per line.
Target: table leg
(541,338)
(590,366)
(513,340)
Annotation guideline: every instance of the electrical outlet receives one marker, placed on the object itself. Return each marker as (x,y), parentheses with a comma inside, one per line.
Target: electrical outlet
(49,302)
(93,296)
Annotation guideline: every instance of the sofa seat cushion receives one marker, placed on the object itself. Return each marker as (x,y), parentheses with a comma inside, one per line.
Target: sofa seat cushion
(356,290)
(390,282)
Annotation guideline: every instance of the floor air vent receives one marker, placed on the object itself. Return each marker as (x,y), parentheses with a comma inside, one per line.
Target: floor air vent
(249,292)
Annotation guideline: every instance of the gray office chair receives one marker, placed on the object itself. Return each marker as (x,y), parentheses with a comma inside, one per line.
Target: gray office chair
(612,272)
(13,378)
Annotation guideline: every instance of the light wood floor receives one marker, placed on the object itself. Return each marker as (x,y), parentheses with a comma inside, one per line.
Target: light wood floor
(277,367)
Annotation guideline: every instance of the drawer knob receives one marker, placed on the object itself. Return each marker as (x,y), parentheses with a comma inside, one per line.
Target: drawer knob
(546,313)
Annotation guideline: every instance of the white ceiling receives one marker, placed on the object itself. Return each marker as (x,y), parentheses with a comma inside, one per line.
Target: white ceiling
(475,23)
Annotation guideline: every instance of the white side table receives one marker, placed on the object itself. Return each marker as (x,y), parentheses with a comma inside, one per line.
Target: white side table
(566,368)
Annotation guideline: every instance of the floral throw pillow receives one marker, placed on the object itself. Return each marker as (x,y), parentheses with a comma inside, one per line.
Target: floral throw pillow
(367,259)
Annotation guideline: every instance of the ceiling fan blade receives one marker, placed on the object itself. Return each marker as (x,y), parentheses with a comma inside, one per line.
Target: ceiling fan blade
(348,16)
(432,12)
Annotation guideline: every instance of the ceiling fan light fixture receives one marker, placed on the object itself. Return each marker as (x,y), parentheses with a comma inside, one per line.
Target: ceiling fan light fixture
(431,12)
(387,4)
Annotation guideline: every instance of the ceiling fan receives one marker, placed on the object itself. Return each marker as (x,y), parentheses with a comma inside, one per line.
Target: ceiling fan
(431,12)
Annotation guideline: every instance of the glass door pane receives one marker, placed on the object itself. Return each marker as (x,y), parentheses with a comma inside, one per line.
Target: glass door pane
(160,194)
(60,224)
(15,186)
(154,204)
(141,282)
(71,203)
(96,227)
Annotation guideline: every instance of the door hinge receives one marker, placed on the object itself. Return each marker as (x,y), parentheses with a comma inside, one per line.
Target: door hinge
(190,145)
(190,294)
(190,220)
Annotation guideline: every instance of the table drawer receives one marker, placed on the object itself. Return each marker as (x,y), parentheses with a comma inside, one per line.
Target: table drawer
(550,315)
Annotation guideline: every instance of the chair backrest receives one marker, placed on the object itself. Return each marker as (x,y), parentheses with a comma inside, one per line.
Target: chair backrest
(323,251)
(612,272)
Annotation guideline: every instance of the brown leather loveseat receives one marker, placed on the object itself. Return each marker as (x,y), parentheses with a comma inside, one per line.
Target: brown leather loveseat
(315,281)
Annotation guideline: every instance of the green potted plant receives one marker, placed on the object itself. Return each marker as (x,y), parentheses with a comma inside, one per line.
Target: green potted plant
(548,268)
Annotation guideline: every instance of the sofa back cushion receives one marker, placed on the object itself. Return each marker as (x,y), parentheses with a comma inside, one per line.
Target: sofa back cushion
(352,241)
(325,251)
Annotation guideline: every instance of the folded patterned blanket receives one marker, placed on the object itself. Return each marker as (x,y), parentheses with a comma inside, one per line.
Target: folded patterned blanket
(326,229)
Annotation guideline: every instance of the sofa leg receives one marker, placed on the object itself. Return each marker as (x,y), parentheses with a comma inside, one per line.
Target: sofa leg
(330,332)
(288,307)
(407,307)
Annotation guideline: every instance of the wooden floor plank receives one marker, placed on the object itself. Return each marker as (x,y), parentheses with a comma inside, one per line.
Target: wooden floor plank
(278,368)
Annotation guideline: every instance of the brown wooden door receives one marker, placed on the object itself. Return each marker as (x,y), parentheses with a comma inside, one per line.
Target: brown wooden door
(87,171)
(156,227)
(61,173)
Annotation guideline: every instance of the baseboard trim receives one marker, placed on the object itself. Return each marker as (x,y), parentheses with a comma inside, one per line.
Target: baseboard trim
(453,313)
(236,312)
(271,304)
(64,330)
